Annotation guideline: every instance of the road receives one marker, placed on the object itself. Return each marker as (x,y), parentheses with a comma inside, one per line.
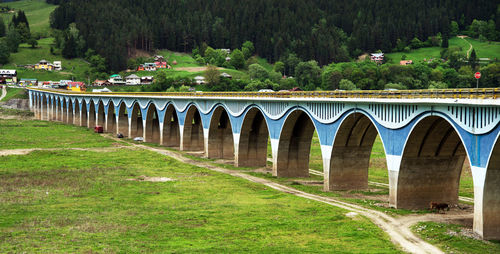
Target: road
(4,92)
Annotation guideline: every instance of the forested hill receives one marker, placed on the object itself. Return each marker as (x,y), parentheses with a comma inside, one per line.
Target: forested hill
(324,30)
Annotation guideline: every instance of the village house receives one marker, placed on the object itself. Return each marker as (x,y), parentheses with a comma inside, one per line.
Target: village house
(8,76)
(132,80)
(199,80)
(377,57)
(161,65)
(140,67)
(57,65)
(225,75)
(150,67)
(116,80)
(98,82)
(76,86)
(28,82)
(44,65)
(405,62)
(146,80)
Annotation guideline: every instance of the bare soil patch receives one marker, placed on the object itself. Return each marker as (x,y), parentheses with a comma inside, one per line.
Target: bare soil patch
(151,179)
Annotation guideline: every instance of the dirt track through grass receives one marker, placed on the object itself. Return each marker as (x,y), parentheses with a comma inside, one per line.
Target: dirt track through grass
(400,233)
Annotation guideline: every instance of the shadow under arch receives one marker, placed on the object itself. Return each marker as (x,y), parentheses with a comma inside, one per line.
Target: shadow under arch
(192,138)
(44,108)
(135,128)
(152,128)
(431,165)
(110,125)
(70,111)
(64,110)
(92,115)
(220,135)
(489,227)
(171,134)
(254,135)
(351,150)
(84,121)
(294,146)
(101,116)
(122,122)
(76,116)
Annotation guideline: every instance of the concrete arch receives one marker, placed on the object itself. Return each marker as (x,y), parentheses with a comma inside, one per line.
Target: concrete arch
(77,115)
(220,135)
(135,122)
(351,150)
(84,121)
(64,110)
(192,137)
(44,108)
(101,115)
(110,124)
(152,127)
(431,165)
(486,219)
(171,134)
(70,111)
(254,135)
(91,115)
(294,145)
(122,119)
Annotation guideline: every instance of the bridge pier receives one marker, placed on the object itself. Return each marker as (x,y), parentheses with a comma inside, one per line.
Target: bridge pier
(192,138)
(294,146)
(170,129)
(219,141)
(251,146)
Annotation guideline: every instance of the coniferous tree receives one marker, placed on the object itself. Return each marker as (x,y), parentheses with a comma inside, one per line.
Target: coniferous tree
(2,28)
(69,50)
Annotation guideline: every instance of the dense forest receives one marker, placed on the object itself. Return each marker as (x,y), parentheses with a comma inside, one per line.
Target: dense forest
(324,30)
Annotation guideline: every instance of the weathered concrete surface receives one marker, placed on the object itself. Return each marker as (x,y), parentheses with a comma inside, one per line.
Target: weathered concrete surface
(110,125)
(170,134)
(220,136)
(91,120)
(252,147)
(135,123)
(152,127)
(351,152)
(491,199)
(192,139)
(294,146)
(122,122)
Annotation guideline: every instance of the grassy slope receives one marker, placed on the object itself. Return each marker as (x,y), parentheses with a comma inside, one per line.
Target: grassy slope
(37,12)
(15,93)
(60,201)
(483,49)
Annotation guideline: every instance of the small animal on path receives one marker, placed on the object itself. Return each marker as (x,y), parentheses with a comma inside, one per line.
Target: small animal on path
(439,206)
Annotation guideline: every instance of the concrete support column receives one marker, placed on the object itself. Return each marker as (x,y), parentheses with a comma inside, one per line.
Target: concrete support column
(349,168)
(422,180)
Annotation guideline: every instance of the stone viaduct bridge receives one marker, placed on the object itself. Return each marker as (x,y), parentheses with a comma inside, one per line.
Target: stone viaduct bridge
(427,135)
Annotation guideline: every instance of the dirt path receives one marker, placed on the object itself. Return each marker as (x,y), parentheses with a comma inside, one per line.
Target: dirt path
(397,229)
(463,38)
(27,151)
(4,92)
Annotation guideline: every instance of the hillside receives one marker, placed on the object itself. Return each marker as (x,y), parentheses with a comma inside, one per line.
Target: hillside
(37,12)
(488,49)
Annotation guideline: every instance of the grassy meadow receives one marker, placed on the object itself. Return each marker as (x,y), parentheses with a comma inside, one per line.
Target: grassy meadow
(63,201)
(483,49)
(37,12)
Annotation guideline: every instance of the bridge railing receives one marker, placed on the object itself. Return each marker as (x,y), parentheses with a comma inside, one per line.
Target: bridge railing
(483,93)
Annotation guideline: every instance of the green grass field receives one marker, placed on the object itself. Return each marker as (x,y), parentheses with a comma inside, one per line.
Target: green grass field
(16,134)
(15,93)
(37,12)
(182,59)
(81,201)
(449,237)
(483,49)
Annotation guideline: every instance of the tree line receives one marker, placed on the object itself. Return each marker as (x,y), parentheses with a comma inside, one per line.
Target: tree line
(323,30)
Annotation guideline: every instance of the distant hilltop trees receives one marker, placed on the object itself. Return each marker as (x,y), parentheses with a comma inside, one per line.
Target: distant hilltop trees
(324,30)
